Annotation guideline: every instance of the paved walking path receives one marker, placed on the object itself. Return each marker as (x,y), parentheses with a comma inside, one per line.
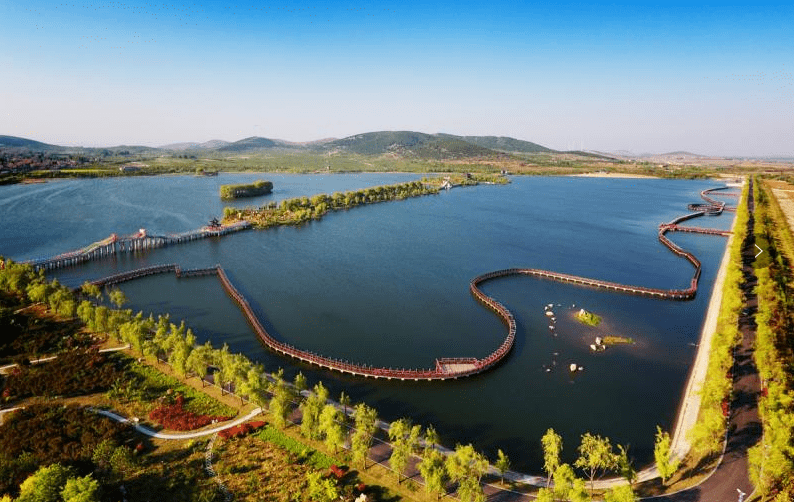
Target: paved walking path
(183,435)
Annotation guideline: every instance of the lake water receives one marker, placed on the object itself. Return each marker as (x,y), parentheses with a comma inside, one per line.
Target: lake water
(387,284)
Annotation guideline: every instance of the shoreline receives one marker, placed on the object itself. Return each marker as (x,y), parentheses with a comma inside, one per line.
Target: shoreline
(690,402)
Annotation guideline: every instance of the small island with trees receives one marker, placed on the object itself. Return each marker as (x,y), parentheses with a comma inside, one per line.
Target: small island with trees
(259,187)
(588,318)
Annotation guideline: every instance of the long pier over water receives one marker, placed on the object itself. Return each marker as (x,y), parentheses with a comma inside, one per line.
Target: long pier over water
(140,241)
(456,367)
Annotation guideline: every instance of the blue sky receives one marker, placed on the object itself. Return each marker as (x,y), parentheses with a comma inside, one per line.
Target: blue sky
(712,78)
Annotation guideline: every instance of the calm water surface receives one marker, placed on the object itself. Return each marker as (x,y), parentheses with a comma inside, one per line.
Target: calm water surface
(387,284)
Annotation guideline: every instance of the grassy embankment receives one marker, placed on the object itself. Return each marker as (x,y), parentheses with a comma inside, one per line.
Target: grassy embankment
(772,460)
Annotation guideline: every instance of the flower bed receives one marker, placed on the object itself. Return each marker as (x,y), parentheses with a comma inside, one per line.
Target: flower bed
(241,430)
(175,417)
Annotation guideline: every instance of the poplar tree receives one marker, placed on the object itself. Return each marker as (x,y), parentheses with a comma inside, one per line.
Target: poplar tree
(434,472)
(552,447)
(466,467)
(502,464)
(404,438)
(661,453)
(366,420)
(331,427)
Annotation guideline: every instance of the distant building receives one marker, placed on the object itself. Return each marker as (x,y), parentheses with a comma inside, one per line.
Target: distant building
(129,169)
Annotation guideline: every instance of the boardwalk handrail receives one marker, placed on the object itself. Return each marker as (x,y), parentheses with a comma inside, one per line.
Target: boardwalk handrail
(453,367)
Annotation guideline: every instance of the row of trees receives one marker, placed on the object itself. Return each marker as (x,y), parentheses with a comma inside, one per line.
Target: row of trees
(772,460)
(708,433)
(301,209)
(165,341)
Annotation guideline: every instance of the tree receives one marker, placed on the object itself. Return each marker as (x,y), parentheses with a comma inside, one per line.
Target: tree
(331,427)
(117,297)
(311,409)
(300,384)
(181,346)
(404,438)
(625,466)
(661,453)
(344,400)
(466,467)
(431,437)
(321,489)
(366,419)
(622,493)
(564,479)
(544,495)
(134,333)
(199,359)
(433,470)
(595,454)
(85,311)
(552,447)
(254,386)
(91,290)
(85,489)
(280,403)
(46,484)
(502,464)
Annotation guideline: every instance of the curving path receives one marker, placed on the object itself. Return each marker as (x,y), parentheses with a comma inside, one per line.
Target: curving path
(184,435)
(456,367)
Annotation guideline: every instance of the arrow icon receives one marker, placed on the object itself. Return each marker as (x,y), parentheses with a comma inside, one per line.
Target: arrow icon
(759,251)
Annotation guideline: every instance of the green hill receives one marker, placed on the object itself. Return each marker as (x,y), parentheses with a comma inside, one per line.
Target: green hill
(27,144)
(503,144)
(252,143)
(409,144)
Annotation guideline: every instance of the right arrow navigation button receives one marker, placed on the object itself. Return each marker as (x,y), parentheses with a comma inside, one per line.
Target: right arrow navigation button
(759,250)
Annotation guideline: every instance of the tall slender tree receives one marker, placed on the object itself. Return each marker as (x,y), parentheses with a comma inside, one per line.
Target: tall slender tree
(366,419)
(331,427)
(665,464)
(466,467)
(434,472)
(552,447)
(404,438)
(502,464)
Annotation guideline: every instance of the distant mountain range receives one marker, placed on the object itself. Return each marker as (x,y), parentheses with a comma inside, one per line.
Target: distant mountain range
(406,144)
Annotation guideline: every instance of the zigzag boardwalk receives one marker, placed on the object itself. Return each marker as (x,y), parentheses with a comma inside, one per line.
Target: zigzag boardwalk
(454,367)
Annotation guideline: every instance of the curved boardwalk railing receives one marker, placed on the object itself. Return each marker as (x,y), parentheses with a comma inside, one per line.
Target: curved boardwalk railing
(455,367)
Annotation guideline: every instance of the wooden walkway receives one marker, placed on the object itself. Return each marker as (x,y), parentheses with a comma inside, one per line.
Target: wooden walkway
(139,241)
(453,367)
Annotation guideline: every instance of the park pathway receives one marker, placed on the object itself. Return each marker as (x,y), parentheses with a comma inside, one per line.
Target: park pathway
(183,435)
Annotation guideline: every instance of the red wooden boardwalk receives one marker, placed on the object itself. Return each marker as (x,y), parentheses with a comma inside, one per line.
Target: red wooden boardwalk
(455,367)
